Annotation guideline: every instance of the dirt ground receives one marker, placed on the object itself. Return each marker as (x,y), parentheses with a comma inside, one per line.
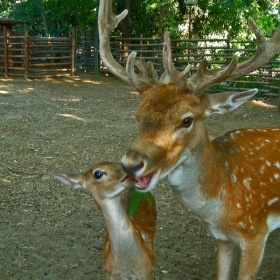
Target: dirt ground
(49,231)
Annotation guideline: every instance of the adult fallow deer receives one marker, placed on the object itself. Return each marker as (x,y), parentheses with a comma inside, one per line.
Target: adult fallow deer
(129,241)
(232,183)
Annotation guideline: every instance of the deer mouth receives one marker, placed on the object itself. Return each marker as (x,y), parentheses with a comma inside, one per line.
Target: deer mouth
(147,182)
(128,181)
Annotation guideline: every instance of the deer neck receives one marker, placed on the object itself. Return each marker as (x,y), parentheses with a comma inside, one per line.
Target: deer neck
(197,178)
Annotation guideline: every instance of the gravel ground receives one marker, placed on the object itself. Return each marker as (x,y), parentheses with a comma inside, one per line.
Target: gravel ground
(49,231)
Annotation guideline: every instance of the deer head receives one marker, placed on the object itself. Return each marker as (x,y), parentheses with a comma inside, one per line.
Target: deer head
(174,107)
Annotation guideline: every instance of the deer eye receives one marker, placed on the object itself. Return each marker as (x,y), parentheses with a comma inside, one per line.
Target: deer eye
(98,174)
(187,122)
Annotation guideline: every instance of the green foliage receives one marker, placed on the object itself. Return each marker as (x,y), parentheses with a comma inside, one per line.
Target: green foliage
(158,16)
(226,17)
(148,17)
(136,197)
(230,17)
(61,15)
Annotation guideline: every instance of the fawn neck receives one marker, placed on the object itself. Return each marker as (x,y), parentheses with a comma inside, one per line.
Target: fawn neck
(120,229)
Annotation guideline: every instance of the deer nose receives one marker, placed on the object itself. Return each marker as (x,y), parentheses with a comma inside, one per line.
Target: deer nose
(134,162)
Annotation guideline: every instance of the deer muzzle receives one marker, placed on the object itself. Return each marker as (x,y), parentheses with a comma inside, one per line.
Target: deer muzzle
(141,167)
(136,163)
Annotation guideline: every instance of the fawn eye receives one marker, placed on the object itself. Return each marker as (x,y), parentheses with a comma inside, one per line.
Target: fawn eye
(98,174)
(187,122)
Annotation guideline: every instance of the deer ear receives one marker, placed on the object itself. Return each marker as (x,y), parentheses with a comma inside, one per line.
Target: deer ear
(72,181)
(222,103)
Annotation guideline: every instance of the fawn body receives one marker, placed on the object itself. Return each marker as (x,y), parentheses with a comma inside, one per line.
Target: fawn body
(128,245)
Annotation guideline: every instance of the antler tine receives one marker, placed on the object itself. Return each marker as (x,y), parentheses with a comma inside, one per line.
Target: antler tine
(108,21)
(147,76)
(205,78)
(171,74)
(262,53)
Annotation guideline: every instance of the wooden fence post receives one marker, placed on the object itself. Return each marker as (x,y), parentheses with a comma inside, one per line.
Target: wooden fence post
(226,51)
(96,51)
(161,64)
(26,52)
(269,79)
(119,45)
(278,103)
(73,53)
(141,42)
(6,58)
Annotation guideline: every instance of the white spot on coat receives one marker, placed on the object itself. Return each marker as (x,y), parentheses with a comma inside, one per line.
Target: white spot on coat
(262,169)
(270,202)
(246,182)
(242,225)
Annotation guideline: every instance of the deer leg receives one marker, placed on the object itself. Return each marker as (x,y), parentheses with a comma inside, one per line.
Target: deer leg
(226,256)
(251,256)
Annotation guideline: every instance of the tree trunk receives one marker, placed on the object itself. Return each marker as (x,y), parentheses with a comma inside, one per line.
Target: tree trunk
(125,26)
(45,22)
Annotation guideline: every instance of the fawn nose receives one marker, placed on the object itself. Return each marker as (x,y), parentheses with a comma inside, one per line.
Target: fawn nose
(134,163)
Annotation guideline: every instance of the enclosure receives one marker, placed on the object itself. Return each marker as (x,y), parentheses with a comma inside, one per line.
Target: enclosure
(32,57)
(49,231)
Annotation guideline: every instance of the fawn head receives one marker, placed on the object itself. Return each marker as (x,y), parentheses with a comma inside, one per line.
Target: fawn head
(103,180)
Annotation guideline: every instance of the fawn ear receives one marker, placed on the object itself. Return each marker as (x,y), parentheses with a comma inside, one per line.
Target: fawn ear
(72,181)
(220,103)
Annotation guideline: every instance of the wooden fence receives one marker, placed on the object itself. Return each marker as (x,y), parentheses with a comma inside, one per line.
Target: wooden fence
(33,57)
(40,57)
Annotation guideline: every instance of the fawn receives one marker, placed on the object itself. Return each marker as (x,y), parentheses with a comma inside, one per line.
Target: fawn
(129,240)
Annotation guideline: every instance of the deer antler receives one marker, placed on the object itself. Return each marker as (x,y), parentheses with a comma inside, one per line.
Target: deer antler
(146,76)
(204,78)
